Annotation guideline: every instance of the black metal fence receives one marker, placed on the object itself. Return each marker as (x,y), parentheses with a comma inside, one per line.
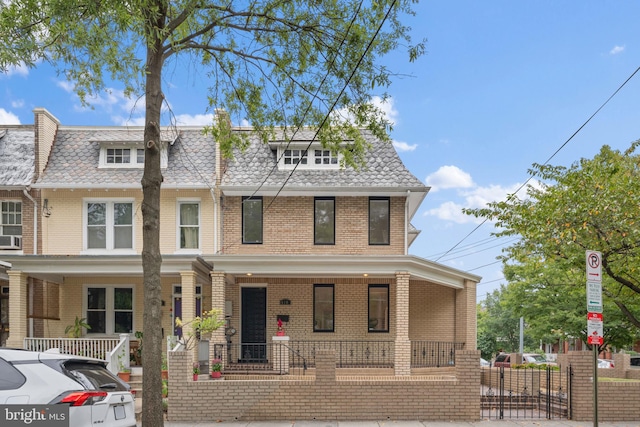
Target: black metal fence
(349,354)
(434,354)
(260,359)
(525,393)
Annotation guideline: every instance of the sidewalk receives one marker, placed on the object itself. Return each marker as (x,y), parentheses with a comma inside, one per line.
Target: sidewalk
(484,423)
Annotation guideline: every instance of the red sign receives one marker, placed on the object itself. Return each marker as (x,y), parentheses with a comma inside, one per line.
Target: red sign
(594,328)
(594,317)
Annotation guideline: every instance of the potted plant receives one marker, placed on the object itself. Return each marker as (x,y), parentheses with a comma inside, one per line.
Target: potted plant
(165,368)
(75,330)
(196,370)
(216,368)
(165,388)
(123,371)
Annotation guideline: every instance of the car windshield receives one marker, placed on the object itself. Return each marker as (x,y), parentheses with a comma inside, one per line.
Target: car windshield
(536,358)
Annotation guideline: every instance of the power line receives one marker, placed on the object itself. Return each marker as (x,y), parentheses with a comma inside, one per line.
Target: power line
(332,106)
(549,159)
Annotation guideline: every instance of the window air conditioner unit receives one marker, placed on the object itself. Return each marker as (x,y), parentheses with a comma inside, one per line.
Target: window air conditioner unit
(10,242)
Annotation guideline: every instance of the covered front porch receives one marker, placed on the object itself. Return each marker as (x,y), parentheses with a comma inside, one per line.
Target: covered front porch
(398,313)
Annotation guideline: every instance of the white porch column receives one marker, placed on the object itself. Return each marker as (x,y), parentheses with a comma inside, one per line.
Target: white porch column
(188,283)
(17,308)
(403,345)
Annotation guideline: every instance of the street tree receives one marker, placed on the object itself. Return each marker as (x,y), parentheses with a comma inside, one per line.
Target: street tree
(553,305)
(269,63)
(499,324)
(591,205)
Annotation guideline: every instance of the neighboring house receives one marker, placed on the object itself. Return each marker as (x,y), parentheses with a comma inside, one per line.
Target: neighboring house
(91,231)
(19,206)
(280,231)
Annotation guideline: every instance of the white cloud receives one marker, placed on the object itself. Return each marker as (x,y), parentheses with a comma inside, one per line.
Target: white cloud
(450,211)
(449,177)
(20,70)
(616,50)
(18,103)
(8,118)
(387,108)
(403,146)
(194,120)
(476,197)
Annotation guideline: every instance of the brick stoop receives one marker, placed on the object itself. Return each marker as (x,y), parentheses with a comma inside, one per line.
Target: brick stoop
(136,387)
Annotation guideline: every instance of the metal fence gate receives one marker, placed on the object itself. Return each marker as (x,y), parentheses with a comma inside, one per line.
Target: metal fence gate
(525,393)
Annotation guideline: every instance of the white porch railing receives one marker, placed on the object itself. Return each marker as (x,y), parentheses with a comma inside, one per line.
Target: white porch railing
(106,349)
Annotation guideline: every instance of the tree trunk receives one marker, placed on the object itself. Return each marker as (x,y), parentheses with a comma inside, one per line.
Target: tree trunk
(152,414)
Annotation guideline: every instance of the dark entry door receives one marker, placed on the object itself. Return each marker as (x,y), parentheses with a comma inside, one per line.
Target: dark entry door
(254,325)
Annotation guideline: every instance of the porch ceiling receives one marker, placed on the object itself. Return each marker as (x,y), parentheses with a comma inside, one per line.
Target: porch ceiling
(55,267)
(340,265)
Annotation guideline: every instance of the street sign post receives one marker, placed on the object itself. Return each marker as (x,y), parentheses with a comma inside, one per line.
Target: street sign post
(594,318)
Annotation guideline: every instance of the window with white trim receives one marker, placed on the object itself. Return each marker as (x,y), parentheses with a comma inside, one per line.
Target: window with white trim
(109,309)
(325,157)
(293,157)
(189,224)
(307,157)
(11,218)
(108,225)
(127,155)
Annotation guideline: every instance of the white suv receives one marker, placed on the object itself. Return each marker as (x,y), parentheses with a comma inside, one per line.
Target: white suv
(93,395)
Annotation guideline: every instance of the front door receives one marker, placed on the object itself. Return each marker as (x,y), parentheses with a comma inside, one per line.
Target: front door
(254,325)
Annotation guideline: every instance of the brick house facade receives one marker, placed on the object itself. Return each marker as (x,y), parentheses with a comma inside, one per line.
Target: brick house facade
(329,250)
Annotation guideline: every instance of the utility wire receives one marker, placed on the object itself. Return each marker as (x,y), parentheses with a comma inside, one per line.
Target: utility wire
(511,196)
(332,106)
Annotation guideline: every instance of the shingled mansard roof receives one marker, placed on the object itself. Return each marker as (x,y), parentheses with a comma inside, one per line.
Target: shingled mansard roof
(257,167)
(17,156)
(74,160)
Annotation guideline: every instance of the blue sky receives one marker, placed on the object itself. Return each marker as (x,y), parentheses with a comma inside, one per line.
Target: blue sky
(504,84)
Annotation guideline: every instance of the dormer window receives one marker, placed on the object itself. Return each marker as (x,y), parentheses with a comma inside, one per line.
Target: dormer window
(293,157)
(307,157)
(325,157)
(126,155)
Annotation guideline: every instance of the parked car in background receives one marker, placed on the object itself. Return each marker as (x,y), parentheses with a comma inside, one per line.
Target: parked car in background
(605,363)
(93,395)
(504,360)
(484,362)
(635,361)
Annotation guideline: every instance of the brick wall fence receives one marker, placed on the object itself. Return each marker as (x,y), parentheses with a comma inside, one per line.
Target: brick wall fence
(617,400)
(326,396)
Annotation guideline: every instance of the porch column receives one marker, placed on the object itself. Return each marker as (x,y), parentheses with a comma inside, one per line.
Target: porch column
(188,283)
(17,308)
(217,302)
(403,345)
(465,318)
